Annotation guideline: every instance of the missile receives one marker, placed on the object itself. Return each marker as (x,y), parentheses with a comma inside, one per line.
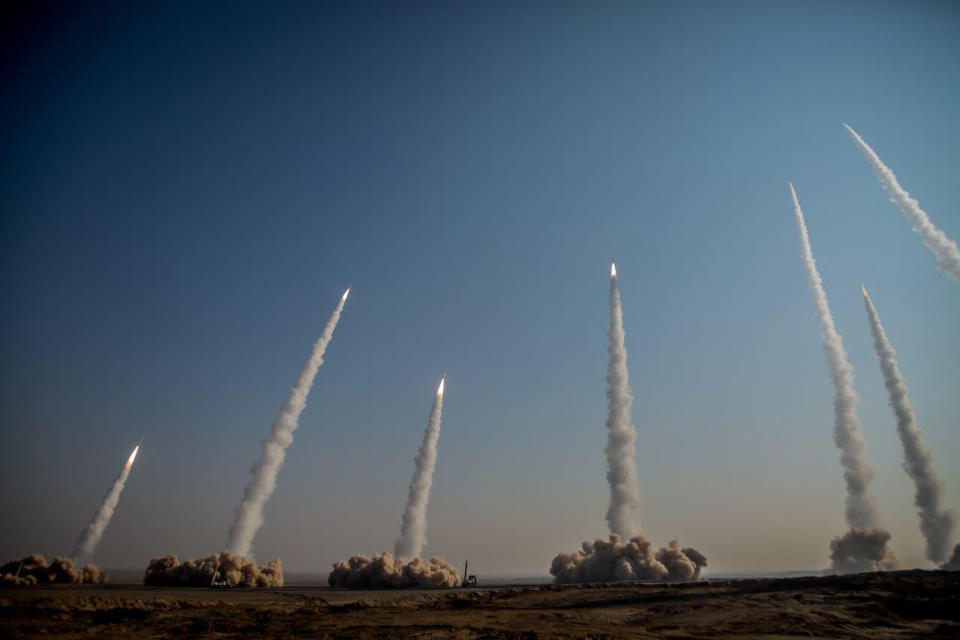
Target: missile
(613,269)
(133,455)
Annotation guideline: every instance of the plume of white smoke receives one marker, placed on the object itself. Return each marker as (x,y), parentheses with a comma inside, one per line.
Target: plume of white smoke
(263,480)
(953,562)
(413,529)
(90,537)
(224,569)
(606,561)
(382,571)
(396,571)
(945,249)
(861,550)
(936,522)
(623,515)
(613,560)
(860,510)
(34,569)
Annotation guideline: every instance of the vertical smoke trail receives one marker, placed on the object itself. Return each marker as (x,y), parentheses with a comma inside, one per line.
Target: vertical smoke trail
(945,249)
(263,479)
(623,516)
(861,512)
(90,537)
(936,522)
(414,528)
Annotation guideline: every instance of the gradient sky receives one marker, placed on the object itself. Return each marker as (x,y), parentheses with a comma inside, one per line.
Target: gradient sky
(187,188)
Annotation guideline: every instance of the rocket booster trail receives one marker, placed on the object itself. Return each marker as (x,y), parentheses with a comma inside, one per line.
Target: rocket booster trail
(263,475)
(936,523)
(413,530)
(860,512)
(90,537)
(623,514)
(945,249)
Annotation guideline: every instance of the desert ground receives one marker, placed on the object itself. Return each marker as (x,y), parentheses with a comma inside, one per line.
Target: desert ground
(904,604)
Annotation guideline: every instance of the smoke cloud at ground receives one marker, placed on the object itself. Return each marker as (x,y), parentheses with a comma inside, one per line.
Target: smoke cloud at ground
(413,528)
(382,571)
(945,249)
(936,522)
(860,550)
(231,569)
(623,514)
(612,560)
(90,537)
(34,569)
(263,481)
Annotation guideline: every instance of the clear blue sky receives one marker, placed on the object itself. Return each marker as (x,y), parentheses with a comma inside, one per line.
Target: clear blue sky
(187,188)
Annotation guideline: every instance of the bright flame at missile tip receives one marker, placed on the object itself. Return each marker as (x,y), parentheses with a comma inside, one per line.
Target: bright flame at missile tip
(864,289)
(345,294)
(440,388)
(613,269)
(133,455)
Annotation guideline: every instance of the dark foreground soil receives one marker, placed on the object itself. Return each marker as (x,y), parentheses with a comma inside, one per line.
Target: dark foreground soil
(905,604)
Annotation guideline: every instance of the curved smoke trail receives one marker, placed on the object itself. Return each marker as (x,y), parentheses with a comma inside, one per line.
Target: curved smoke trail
(90,537)
(263,481)
(413,531)
(623,516)
(936,523)
(861,512)
(945,249)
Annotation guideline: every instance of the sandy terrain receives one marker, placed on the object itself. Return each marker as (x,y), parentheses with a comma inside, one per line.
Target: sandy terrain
(906,604)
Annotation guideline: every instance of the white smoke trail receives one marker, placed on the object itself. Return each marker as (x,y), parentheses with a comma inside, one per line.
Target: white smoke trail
(936,522)
(860,511)
(945,249)
(263,481)
(623,515)
(413,531)
(90,537)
